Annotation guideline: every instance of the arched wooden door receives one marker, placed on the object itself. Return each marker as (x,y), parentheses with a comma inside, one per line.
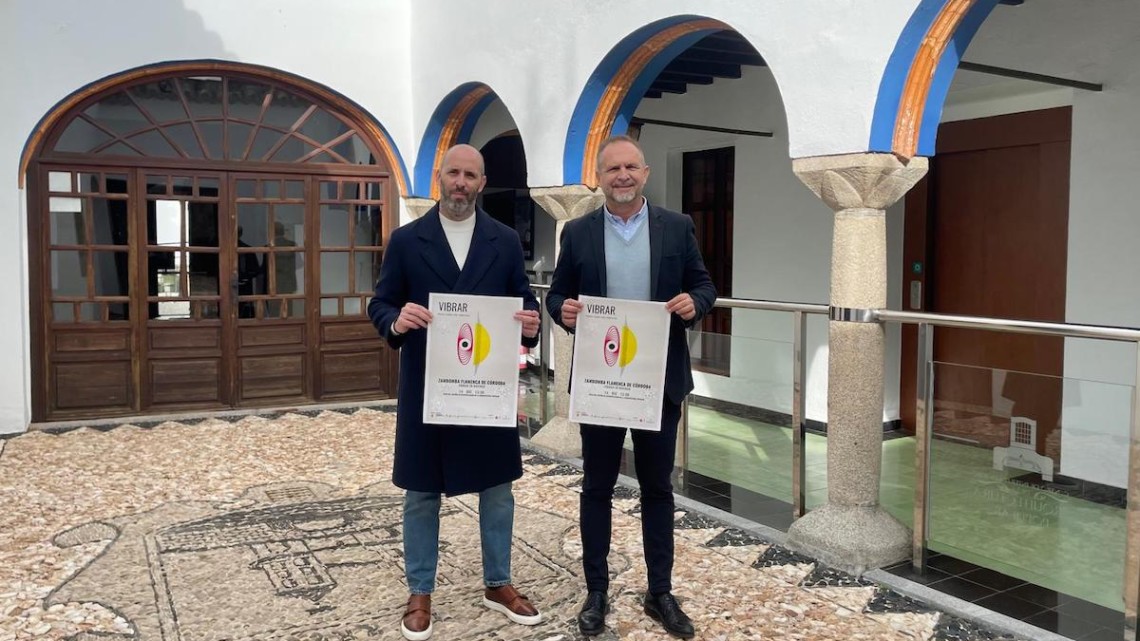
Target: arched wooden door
(205,242)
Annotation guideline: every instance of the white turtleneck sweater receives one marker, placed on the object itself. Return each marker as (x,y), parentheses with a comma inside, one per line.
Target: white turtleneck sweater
(459,236)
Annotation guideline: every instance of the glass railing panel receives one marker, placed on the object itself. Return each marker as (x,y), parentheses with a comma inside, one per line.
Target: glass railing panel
(739,425)
(1027,477)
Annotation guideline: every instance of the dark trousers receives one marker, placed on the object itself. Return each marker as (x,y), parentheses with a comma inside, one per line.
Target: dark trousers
(653,461)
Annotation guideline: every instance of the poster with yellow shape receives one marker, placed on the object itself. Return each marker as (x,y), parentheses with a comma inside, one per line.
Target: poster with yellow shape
(618,377)
(472,373)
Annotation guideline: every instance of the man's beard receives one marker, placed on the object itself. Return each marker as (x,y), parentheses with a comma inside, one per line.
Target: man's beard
(624,196)
(457,207)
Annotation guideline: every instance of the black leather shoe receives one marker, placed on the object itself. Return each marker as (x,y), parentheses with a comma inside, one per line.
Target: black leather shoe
(665,610)
(592,617)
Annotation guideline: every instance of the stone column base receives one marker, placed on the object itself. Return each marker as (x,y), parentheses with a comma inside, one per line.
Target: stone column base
(852,539)
(561,437)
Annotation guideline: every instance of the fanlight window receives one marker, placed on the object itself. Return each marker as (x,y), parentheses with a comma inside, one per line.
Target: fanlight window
(213,118)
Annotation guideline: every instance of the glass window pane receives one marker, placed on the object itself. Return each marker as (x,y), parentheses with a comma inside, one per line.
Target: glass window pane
(67,228)
(119,149)
(286,109)
(57,203)
(323,127)
(253,224)
(367,271)
(249,309)
(204,95)
(90,312)
(156,185)
(109,221)
(203,272)
(88,183)
(334,225)
(271,189)
(118,311)
(160,100)
(238,137)
(170,310)
(183,186)
(68,273)
(294,189)
(162,270)
(245,99)
(251,273)
(334,272)
(165,222)
(183,135)
(212,135)
(247,189)
(208,187)
(111,273)
(322,157)
(206,308)
(293,150)
(355,151)
(59,181)
(328,190)
(81,137)
(289,270)
(118,114)
(202,225)
(63,312)
(274,309)
(116,184)
(263,141)
(296,308)
(367,226)
(374,191)
(330,307)
(289,225)
(352,307)
(151,143)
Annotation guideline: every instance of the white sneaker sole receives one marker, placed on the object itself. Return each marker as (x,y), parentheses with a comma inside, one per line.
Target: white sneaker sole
(517,618)
(416,636)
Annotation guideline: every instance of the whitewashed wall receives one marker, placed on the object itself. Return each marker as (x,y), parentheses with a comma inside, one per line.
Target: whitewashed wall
(537,56)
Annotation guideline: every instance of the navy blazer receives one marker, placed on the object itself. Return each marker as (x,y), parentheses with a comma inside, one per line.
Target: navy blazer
(417,262)
(675,266)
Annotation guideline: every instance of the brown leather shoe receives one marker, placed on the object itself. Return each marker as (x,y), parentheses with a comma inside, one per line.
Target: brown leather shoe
(416,625)
(511,602)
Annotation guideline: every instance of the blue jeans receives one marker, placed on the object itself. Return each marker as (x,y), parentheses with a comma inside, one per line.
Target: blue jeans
(421,537)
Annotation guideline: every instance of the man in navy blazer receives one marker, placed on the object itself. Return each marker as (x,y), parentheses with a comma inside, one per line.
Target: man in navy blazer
(455,248)
(632,250)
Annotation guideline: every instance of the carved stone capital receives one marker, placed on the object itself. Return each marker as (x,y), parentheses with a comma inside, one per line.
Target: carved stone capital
(417,206)
(568,201)
(859,181)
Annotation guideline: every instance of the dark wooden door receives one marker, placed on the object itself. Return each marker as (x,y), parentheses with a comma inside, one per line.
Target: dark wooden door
(707,196)
(988,233)
(184,311)
(81,274)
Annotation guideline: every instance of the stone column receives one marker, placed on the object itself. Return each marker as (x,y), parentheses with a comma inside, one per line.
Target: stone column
(564,204)
(416,206)
(852,531)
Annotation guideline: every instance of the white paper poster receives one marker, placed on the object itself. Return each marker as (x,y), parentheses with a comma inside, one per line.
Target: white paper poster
(472,373)
(620,348)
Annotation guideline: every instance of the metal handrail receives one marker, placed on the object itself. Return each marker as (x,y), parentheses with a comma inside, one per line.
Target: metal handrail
(1066,330)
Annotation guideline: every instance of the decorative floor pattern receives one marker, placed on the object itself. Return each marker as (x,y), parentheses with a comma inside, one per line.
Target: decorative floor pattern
(287,527)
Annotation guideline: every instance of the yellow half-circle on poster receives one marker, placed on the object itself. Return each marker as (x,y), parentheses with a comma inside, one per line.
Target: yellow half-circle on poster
(482,343)
(628,346)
